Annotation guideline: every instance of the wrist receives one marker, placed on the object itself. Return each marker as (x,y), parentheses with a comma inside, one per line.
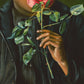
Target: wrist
(64,66)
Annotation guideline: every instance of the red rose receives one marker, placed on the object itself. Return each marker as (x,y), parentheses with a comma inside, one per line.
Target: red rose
(31,3)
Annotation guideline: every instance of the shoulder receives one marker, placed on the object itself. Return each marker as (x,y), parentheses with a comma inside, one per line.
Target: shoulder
(5,13)
(62,8)
(5,8)
(78,25)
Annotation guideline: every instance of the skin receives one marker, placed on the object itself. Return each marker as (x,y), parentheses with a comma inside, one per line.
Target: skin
(22,7)
(55,45)
(49,39)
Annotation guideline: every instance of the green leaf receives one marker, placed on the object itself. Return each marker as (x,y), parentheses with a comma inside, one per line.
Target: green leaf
(25,60)
(28,23)
(28,56)
(38,15)
(12,36)
(15,29)
(30,41)
(47,12)
(77,9)
(62,27)
(36,7)
(21,24)
(19,39)
(26,31)
(55,16)
(15,32)
(63,17)
(48,3)
(25,44)
(18,32)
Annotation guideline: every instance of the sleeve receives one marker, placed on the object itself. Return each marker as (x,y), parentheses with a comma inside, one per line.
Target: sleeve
(7,65)
(80,36)
(76,50)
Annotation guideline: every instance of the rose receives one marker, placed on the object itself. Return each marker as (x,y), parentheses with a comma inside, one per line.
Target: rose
(31,3)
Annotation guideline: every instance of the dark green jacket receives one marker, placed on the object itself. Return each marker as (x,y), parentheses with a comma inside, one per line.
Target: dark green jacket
(12,69)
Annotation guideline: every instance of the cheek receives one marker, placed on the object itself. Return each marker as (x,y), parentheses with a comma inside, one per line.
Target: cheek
(31,3)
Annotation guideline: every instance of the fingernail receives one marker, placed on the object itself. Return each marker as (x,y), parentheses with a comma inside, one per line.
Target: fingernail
(37,30)
(37,38)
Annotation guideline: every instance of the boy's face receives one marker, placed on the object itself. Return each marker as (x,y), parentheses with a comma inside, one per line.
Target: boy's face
(26,5)
(21,5)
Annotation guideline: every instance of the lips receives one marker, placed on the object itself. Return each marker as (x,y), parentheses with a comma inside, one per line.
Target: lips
(31,3)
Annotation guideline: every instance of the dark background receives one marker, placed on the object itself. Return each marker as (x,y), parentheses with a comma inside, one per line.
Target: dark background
(69,3)
(2,2)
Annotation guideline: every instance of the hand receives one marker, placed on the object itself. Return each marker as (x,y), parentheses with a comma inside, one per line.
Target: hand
(56,48)
(54,42)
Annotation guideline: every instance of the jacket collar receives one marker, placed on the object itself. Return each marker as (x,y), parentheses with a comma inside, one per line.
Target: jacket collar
(6,28)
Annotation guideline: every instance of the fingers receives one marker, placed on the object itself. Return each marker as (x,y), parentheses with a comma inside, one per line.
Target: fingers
(49,35)
(49,38)
(47,31)
(42,36)
(50,43)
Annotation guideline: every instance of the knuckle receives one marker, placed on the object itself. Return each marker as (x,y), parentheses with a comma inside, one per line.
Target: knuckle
(60,40)
(60,37)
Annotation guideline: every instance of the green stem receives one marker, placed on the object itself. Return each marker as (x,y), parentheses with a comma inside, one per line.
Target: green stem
(69,17)
(33,14)
(56,22)
(42,8)
(42,16)
(48,65)
(50,25)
